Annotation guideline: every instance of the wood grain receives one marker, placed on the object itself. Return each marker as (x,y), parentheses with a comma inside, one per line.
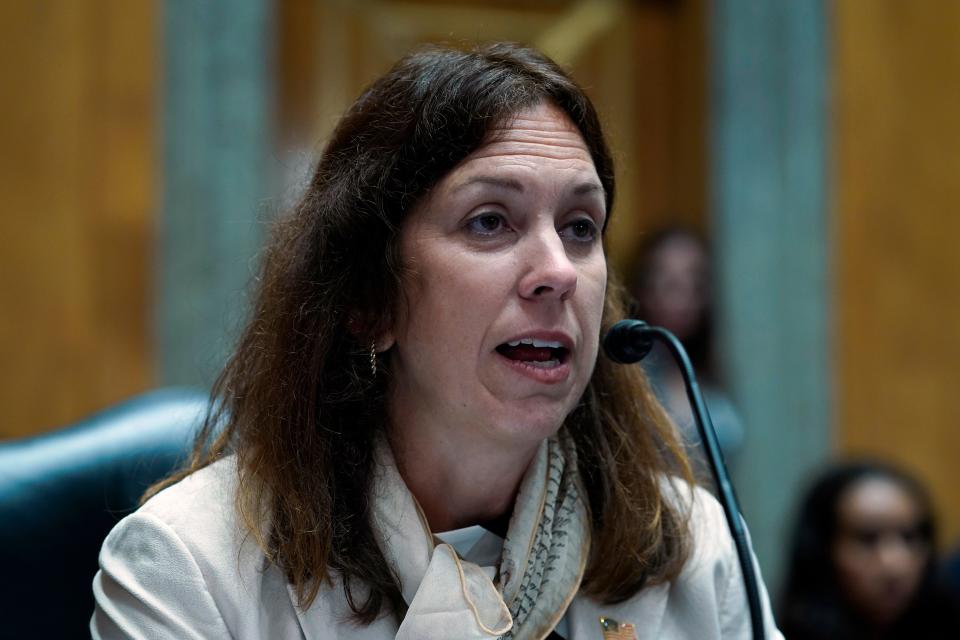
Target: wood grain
(897,224)
(77,187)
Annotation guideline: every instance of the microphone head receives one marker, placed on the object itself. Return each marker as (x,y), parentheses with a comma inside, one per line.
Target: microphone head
(628,341)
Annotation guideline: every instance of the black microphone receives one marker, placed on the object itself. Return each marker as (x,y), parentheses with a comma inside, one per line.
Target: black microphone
(629,341)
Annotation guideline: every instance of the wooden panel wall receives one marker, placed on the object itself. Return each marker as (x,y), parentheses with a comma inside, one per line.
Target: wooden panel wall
(76,202)
(897,230)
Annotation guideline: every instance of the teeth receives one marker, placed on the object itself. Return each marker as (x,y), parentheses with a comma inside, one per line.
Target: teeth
(540,344)
(545,364)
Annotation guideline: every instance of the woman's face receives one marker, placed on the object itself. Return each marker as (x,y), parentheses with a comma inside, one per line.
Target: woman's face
(879,552)
(675,295)
(507,275)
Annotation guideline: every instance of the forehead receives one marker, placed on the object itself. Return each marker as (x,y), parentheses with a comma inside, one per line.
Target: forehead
(878,500)
(542,131)
(678,253)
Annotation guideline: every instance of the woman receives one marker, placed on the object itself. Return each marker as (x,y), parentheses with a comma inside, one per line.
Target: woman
(422,360)
(672,289)
(863,564)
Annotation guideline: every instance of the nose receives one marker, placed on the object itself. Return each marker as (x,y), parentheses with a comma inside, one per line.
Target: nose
(895,556)
(550,274)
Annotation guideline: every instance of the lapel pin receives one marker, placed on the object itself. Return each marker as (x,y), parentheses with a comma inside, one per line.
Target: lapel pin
(613,630)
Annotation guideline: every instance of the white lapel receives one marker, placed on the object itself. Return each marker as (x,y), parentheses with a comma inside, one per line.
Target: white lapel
(644,611)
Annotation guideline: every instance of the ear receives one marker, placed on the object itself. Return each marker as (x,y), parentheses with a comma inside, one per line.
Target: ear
(384,341)
(357,327)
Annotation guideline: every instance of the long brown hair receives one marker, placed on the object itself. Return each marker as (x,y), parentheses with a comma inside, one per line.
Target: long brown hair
(297,403)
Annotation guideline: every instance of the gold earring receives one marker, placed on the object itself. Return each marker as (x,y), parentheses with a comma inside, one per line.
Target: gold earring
(373,358)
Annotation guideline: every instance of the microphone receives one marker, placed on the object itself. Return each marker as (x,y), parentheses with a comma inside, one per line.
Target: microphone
(629,341)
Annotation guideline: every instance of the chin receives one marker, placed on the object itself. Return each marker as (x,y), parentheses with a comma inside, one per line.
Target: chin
(534,424)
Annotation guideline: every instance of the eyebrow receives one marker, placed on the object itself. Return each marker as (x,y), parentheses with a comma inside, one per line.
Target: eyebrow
(583,188)
(587,187)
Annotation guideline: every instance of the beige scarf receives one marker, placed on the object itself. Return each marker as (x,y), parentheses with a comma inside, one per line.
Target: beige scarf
(544,555)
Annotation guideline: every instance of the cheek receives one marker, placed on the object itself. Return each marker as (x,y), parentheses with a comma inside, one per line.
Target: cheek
(919,563)
(453,300)
(596,294)
(855,572)
(845,558)
(594,290)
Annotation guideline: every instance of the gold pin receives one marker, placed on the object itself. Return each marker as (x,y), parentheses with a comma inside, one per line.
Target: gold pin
(613,630)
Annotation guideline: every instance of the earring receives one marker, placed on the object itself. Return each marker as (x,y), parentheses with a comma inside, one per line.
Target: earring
(373,358)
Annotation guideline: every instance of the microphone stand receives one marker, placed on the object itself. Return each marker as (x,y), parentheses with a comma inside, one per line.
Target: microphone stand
(629,341)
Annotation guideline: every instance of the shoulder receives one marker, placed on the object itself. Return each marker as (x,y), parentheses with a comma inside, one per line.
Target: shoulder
(200,513)
(709,536)
(184,564)
(201,505)
(712,575)
(712,563)
(707,599)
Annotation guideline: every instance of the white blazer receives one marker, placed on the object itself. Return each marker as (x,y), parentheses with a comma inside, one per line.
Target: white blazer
(183,567)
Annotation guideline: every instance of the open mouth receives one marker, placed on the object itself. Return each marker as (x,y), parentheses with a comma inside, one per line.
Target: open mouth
(543,354)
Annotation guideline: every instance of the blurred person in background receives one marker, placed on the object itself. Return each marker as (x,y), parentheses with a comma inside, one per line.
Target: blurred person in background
(673,290)
(862,564)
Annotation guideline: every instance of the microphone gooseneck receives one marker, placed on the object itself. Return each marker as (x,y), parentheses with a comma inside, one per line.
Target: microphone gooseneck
(629,341)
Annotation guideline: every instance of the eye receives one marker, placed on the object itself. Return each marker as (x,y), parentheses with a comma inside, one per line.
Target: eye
(581,230)
(487,224)
(913,537)
(866,537)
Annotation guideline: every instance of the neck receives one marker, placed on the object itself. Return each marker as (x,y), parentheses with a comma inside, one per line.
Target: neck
(456,483)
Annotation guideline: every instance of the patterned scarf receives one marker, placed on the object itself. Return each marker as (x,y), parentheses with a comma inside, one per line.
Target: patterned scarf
(543,561)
